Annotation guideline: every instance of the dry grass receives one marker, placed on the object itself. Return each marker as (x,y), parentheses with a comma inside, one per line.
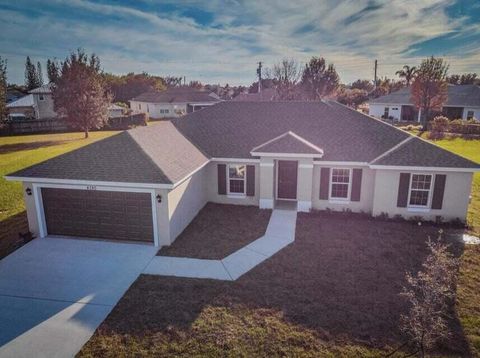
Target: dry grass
(334,292)
(218,231)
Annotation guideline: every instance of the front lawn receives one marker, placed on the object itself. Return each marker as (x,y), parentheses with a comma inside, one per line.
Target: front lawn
(218,231)
(18,152)
(333,292)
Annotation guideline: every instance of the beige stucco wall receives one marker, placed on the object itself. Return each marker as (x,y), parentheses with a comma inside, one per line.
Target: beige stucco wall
(175,109)
(163,223)
(185,201)
(455,199)
(44,108)
(366,192)
(212,186)
(29,200)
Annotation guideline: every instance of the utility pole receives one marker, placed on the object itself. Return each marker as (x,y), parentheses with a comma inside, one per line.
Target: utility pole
(259,73)
(375,76)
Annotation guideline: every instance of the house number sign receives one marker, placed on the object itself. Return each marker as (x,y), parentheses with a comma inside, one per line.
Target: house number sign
(91,187)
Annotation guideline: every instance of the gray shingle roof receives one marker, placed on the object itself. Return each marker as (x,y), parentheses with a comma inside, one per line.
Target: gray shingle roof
(176,95)
(420,153)
(232,129)
(458,95)
(290,143)
(158,155)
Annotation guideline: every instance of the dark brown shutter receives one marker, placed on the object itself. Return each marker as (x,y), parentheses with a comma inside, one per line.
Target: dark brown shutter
(222,179)
(251,180)
(356,184)
(403,187)
(438,190)
(324,183)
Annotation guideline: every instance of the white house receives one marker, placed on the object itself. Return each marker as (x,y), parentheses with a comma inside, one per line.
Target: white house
(173,102)
(463,102)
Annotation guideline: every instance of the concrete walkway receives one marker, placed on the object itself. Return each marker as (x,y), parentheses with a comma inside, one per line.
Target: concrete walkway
(280,233)
(55,292)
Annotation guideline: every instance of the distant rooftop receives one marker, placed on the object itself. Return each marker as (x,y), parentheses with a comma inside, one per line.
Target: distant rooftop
(178,95)
(458,96)
(267,94)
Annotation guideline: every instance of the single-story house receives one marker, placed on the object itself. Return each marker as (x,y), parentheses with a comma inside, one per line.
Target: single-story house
(463,102)
(149,183)
(38,104)
(173,102)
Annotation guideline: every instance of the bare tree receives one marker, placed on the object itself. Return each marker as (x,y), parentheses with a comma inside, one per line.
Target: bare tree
(285,75)
(430,294)
(429,89)
(80,94)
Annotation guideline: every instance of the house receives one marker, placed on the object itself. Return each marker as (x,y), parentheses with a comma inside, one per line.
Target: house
(148,183)
(173,102)
(267,94)
(38,104)
(463,103)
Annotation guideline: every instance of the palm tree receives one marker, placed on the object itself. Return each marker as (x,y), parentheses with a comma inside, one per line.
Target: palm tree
(408,73)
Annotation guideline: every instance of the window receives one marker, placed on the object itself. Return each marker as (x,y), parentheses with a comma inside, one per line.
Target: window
(139,106)
(470,114)
(40,97)
(340,184)
(385,113)
(236,179)
(167,111)
(420,186)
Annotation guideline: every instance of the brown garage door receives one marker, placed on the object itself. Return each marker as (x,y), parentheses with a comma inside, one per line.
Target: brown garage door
(98,214)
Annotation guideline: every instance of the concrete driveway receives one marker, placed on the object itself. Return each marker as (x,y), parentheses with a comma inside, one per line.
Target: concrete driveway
(54,292)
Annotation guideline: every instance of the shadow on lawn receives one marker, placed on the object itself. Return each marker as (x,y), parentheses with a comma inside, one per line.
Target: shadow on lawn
(9,230)
(341,278)
(9,148)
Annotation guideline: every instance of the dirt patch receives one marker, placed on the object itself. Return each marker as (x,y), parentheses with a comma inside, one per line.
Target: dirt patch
(218,231)
(334,291)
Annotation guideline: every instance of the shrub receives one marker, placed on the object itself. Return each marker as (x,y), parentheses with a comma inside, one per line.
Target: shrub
(126,122)
(440,124)
(456,126)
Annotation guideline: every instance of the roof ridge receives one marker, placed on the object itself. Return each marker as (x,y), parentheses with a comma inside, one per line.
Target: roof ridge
(394,148)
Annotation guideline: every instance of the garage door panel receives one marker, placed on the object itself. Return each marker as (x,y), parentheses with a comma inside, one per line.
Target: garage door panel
(98,214)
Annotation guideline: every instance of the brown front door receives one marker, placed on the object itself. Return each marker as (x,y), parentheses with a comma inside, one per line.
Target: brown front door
(287,179)
(110,215)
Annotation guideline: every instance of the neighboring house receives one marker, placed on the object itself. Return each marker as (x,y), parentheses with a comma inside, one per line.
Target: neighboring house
(463,103)
(115,111)
(267,94)
(38,104)
(173,102)
(14,94)
(147,184)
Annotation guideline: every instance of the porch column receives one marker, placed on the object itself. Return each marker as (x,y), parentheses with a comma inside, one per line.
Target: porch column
(267,177)
(304,184)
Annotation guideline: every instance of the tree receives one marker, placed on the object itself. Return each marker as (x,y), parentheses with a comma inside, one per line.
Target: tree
(126,87)
(318,79)
(407,73)
(429,89)
(3,88)
(39,74)
(352,97)
(80,94)
(31,76)
(53,71)
(285,76)
(366,85)
(430,294)
(172,81)
(465,79)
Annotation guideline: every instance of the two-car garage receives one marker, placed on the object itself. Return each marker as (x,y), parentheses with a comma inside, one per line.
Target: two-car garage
(112,215)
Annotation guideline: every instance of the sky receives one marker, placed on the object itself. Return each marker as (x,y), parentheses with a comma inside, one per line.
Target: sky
(221,41)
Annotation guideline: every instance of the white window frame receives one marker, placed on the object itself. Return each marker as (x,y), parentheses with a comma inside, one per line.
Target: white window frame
(336,199)
(472,116)
(236,195)
(41,97)
(429,199)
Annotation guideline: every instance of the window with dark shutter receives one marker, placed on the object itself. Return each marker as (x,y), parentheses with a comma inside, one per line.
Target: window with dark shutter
(403,187)
(222,179)
(324,183)
(438,191)
(251,180)
(356,185)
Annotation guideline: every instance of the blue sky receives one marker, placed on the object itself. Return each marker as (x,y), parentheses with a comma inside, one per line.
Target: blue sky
(221,41)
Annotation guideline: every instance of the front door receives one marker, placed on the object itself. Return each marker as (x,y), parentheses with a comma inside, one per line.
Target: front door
(287,179)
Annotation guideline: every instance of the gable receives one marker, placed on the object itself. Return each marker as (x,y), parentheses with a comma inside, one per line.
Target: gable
(288,143)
